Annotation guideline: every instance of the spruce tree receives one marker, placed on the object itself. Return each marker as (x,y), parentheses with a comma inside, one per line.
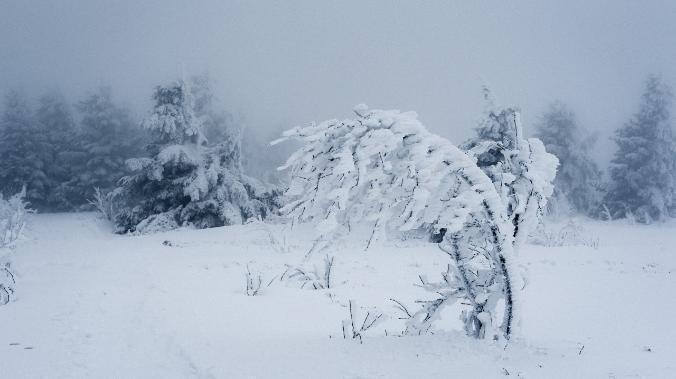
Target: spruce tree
(108,138)
(184,181)
(642,172)
(578,177)
(55,122)
(22,147)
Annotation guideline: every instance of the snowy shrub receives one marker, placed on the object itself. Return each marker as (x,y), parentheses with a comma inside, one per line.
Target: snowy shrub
(311,279)
(521,169)
(642,173)
(277,242)
(103,203)
(572,233)
(383,171)
(254,282)
(186,182)
(7,283)
(13,213)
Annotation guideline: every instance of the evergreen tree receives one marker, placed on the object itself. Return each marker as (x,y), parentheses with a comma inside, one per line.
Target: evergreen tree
(108,138)
(642,171)
(22,147)
(56,124)
(577,180)
(184,182)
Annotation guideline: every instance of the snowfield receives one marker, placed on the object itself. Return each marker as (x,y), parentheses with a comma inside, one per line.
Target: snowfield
(174,305)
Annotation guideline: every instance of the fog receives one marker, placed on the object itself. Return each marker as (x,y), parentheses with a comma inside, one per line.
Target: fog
(279,64)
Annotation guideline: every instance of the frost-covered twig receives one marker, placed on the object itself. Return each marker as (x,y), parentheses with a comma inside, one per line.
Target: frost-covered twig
(253,282)
(399,305)
(353,328)
(328,267)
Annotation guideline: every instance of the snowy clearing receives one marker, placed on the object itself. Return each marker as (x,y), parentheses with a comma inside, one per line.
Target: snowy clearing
(93,304)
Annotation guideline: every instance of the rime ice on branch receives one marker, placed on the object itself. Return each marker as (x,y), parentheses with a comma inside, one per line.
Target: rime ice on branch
(521,170)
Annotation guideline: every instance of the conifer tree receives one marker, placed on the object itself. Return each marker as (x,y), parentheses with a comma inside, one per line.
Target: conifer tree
(62,152)
(642,172)
(22,147)
(577,183)
(184,181)
(108,138)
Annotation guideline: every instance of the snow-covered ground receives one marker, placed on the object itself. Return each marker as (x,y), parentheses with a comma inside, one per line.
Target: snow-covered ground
(93,304)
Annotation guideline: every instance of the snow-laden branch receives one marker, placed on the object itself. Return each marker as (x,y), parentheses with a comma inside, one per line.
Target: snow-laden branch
(521,169)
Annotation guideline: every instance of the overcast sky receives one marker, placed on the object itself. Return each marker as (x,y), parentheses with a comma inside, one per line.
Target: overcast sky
(282,63)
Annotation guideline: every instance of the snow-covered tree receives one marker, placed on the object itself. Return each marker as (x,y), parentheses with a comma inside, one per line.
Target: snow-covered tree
(384,171)
(108,137)
(577,183)
(22,152)
(642,173)
(521,169)
(184,181)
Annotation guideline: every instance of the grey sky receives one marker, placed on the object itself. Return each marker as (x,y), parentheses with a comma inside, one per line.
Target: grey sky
(284,63)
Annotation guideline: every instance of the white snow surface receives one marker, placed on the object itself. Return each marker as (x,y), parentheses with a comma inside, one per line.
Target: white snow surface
(91,304)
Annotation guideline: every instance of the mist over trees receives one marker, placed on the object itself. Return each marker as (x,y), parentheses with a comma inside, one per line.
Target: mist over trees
(62,151)
(57,159)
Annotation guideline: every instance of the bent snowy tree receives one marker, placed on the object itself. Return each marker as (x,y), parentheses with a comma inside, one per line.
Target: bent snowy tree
(384,169)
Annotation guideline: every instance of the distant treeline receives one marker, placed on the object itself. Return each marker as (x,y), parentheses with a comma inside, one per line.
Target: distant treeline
(62,151)
(640,182)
